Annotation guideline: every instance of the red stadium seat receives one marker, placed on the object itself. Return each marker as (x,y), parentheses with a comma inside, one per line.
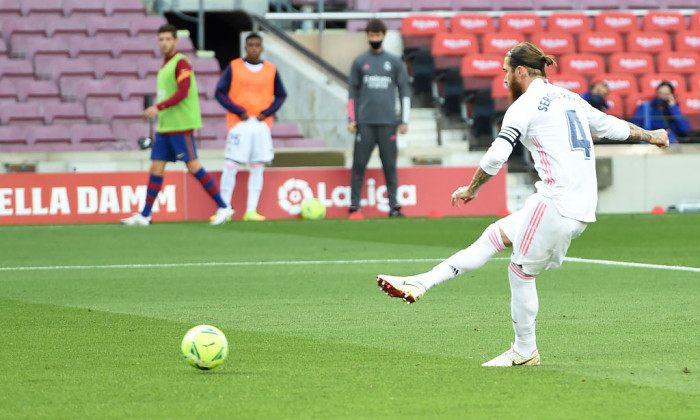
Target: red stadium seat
(500,42)
(695,21)
(418,30)
(600,43)
(688,40)
(633,101)
(649,82)
(652,42)
(586,64)
(554,43)
(679,62)
(525,23)
(615,105)
(499,93)
(663,21)
(574,23)
(689,103)
(478,70)
(449,48)
(572,82)
(65,113)
(471,23)
(620,83)
(694,83)
(615,21)
(634,63)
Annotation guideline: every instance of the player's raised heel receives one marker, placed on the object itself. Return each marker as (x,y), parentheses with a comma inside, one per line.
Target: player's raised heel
(400,287)
(223,215)
(512,358)
(137,219)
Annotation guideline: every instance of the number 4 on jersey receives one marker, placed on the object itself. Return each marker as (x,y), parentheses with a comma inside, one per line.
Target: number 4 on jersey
(577,135)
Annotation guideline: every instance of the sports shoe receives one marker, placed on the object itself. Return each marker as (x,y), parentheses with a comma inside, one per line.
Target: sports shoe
(213,217)
(136,220)
(511,358)
(395,212)
(223,215)
(354,213)
(401,287)
(253,216)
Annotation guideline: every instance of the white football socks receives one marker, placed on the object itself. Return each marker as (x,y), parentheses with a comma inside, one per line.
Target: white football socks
(466,260)
(255,185)
(524,305)
(228,181)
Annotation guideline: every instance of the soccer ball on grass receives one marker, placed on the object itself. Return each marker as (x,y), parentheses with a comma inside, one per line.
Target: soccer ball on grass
(204,347)
(313,209)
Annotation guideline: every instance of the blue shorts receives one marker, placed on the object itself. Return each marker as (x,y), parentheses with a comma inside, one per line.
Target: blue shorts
(174,147)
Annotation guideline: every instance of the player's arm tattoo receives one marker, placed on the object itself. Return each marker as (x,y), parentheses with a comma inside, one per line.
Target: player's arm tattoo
(480,178)
(639,134)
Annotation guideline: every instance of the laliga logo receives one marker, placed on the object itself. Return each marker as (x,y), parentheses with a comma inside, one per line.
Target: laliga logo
(618,84)
(294,191)
(681,62)
(665,20)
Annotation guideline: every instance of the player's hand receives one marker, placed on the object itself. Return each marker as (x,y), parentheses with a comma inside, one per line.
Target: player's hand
(245,116)
(352,127)
(659,138)
(261,117)
(462,194)
(150,112)
(403,128)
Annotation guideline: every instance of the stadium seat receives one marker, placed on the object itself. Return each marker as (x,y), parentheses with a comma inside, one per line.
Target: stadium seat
(554,4)
(70,73)
(650,42)
(115,69)
(687,41)
(8,92)
(285,130)
(29,113)
(573,23)
(94,93)
(633,63)
(13,136)
(214,135)
(499,93)
(382,5)
(599,4)
(117,112)
(679,4)
(132,89)
(633,101)
(475,23)
(148,67)
(27,48)
(108,28)
(572,82)
(418,30)
(419,5)
(96,134)
(639,4)
(615,105)
(10,10)
(694,83)
(689,104)
(512,4)
(128,134)
(471,5)
(599,42)
(50,137)
(663,21)
(90,48)
(65,113)
(525,23)
(305,143)
(478,70)
(42,91)
(449,48)
(554,43)
(649,82)
(16,70)
(205,66)
(620,83)
(206,84)
(679,62)
(184,45)
(212,112)
(500,42)
(131,49)
(124,9)
(3,49)
(615,21)
(67,28)
(46,8)
(83,9)
(23,27)
(146,25)
(422,70)
(694,24)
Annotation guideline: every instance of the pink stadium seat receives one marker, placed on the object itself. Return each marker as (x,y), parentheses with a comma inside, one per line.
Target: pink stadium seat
(554,43)
(131,49)
(584,64)
(554,4)
(212,112)
(92,133)
(525,23)
(649,82)
(448,48)
(83,9)
(679,62)
(474,23)
(50,137)
(639,4)
(305,143)
(115,69)
(8,92)
(599,42)
(431,4)
(599,4)
(573,82)
(679,4)
(285,130)
(28,113)
(65,113)
(620,83)
(42,91)
(13,136)
(67,28)
(23,27)
(568,22)
(663,21)
(633,63)
(478,70)
(388,5)
(28,47)
(94,93)
(148,67)
(184,45)
(213,135)
(206,84)
(70,73)
(3,49)
(108,27)
(651,42)
(512,4)
(124,9)
(45,51)
(10,9)
(117,112)
(500,42)
(616,21)
(471,4)
(146,25)
(687,41)
(48,8)
(418,30)
(137,89)
(205,66)
(90,48)
(16,70)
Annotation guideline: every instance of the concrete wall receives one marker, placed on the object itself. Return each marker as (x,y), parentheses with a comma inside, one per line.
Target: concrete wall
(644,177)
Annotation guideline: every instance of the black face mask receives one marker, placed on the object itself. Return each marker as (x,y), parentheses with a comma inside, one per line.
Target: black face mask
(597,101)
(375,44)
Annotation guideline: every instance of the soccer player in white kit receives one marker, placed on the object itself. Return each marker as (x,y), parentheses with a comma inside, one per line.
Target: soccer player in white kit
(555,126)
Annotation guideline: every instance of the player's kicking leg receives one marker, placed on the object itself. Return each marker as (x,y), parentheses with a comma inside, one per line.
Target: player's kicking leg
(406,288)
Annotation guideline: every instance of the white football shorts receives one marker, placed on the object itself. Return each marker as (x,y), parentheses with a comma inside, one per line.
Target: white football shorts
(250,141)
(540,235)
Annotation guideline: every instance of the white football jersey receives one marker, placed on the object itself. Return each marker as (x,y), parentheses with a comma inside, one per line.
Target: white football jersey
(555,126)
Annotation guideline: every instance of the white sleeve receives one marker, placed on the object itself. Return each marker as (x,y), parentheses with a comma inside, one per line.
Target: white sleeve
(514,127)
(606,126)
(496,156)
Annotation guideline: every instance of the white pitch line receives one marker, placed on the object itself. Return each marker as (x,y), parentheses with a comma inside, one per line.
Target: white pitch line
(274,263)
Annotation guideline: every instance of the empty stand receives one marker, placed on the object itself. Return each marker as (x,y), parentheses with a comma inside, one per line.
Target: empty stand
(125,9)
(118,112)
(615,105)
(13,136)
(573,82)
(8,92)
(212,112)
(49,137)
(651,42)
(526,23)
(555,43)
(512,4)
(431,4)
(15,29)
(679,62)
(600,42)
(499,93)
(132,49)
(146,25)
(573,23)
(16,70)
(205,66)
(620,83)
(599,4)
(500,42)
(42,8)
(471,4)
(639,4)
(213,135)
(115,69)
(449,48)
(206,84)
(90,48)
(664,21)
(83,9)
(648,83)
(689,104)
(65,113)
(95,93)
(694,83)
(478,70)
(478,24)
(615,21)
(131,89)
(22,114)
(285,130)
(43,91)
(95,134)
(418,30)
(634,63)
(687,41)
(108,27)
(67,28)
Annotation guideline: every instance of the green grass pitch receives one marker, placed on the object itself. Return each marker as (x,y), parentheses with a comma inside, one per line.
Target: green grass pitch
(92,318)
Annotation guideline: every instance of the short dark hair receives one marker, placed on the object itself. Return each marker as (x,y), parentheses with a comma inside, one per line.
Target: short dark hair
(253,35)
(665,83)
(375,25)
(168,27)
